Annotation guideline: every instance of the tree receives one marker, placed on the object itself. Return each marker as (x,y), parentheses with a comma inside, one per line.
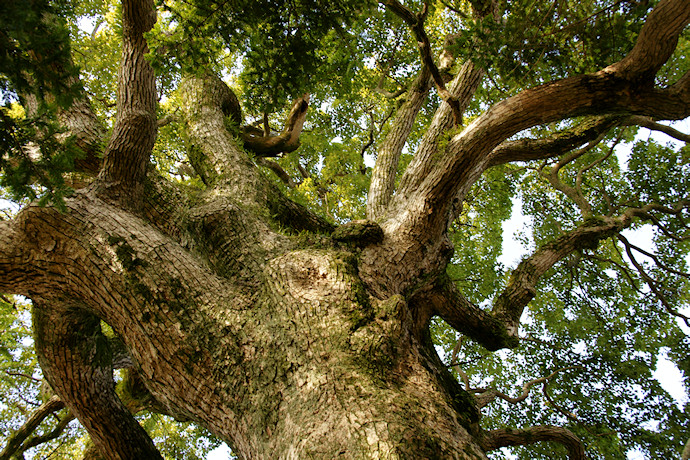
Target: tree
(268,285)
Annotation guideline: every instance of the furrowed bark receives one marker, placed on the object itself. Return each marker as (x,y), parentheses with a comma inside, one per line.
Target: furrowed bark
(76,362)
(221,163)
(81,121)
(298,362)
(495,439)
(388,157)
(127,153)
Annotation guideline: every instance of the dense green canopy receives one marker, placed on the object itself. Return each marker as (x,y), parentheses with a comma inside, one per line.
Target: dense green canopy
(603,317)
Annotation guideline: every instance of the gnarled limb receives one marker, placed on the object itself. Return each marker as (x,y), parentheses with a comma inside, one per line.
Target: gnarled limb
(219,161)
(127,153)
(76,361)
(264,145)
(495,439)
(430,185)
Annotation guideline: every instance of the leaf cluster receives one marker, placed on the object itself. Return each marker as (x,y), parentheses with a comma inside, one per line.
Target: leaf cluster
(282,45)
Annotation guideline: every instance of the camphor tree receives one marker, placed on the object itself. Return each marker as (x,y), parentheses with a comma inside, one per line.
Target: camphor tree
(232,251)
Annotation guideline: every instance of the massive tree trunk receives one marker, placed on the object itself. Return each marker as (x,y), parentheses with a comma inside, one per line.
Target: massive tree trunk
(276,348)
(244,312)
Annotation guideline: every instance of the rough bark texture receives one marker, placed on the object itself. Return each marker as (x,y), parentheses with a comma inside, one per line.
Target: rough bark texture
(288,344)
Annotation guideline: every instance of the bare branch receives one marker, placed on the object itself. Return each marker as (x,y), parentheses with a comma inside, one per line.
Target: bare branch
(488,395)
(656,260)
(647,122)
(53,434)
(653,284)
(15,442)
(495,439)
(266,145)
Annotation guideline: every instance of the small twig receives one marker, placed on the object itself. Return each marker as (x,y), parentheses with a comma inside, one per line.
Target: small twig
(20,374)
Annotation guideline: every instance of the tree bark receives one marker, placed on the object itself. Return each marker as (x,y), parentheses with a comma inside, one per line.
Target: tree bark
(303,364)
(246,313)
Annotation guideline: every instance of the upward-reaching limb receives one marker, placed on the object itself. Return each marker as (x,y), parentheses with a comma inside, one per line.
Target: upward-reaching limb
(127,153)
(421,207)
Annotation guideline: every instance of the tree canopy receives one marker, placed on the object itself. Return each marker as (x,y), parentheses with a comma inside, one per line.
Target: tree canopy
(405,131)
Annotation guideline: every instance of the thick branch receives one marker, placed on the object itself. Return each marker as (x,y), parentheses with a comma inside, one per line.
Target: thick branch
(388,158)
(655,44)
(219,161)
(495,439)
(429,186)
(555,145)
(134,133)
(77,363)
(287,141)
(465,317)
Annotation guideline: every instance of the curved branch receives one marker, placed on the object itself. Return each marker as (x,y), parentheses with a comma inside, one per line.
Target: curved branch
(521,286)
(481,326)
(287,141)
(555,145)
(76,361)
(134,133)
(647,122)
(495,439)
(490,394)
(278,170)
(431,185)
